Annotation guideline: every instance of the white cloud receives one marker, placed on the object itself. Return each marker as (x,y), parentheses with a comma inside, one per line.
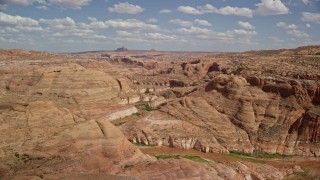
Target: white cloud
(297,33)
(130,24)
(64,23)
(152,20)
(202,22)
(165,11)
(73,32)
(189,10)
(6,19)
(124,33)
(271,7)
(308,25)
(246,12)
(72,4)
(311,17)
(208,8)
(244,32)
(16,24)
(195,30)
(158,36)
(285,26)
(292,30)
(126,8)
(92,19)
(21,2)
(306,2)
(181,22)
(246,25)
(281,24)
(97,25)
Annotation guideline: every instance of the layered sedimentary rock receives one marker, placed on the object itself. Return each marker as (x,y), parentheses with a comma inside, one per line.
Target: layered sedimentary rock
(229,114)
(55,115)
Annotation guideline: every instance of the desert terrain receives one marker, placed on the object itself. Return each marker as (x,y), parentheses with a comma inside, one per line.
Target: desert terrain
(160,115)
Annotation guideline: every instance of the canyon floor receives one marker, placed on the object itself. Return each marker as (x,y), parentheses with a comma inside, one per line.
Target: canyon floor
(160,115)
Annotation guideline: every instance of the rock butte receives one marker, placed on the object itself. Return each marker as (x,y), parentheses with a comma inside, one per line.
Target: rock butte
(56,112)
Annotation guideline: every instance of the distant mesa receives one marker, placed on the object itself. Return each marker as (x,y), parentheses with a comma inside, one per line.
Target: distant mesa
(122,49)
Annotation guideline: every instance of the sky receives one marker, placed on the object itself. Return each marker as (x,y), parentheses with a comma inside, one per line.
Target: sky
(168,25)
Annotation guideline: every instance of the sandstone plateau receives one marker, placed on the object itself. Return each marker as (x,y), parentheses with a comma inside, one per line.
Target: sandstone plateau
(79,116)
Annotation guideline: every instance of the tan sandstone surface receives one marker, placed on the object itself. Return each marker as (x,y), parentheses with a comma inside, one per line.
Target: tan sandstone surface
(55,113)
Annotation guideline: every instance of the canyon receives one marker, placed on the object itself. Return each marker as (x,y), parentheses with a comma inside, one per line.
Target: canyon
(95,114)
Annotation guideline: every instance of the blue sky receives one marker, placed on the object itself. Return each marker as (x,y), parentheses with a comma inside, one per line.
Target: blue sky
(178,25)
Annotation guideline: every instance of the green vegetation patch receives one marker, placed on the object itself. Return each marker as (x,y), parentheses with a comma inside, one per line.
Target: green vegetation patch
(144,106)
(192,158)
(305,172)
(143,145)
(119,123)
(149,108)
(257,154)
(166,156)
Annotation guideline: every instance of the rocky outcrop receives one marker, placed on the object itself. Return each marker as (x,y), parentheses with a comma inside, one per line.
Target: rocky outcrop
(306,91)
(122,113)
(230,114)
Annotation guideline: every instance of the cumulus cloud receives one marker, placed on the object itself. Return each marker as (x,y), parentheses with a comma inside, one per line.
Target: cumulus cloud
(195,31)
(298,34)
(159,36)
(165,11)
(21,2)
(92,19)
(126,8)
(72,4)
(97,25)
(6,19)
(15,24)
(59,23)
(130,24)
(285,26)
(189,10)
(246,25)
(264,8)
(124,33)
(208,8)
(236,11)
(311,17)
(199,22)
(271,7)
(202,22)
(293,30)
(152,20)
(244,32)
(181,22)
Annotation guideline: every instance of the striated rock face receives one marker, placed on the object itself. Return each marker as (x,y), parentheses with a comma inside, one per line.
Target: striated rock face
(47,126)
(55,125)
(122,113)
(230,114)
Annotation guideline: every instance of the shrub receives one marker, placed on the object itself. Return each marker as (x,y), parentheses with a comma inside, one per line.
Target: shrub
(192,158)
(149,108)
